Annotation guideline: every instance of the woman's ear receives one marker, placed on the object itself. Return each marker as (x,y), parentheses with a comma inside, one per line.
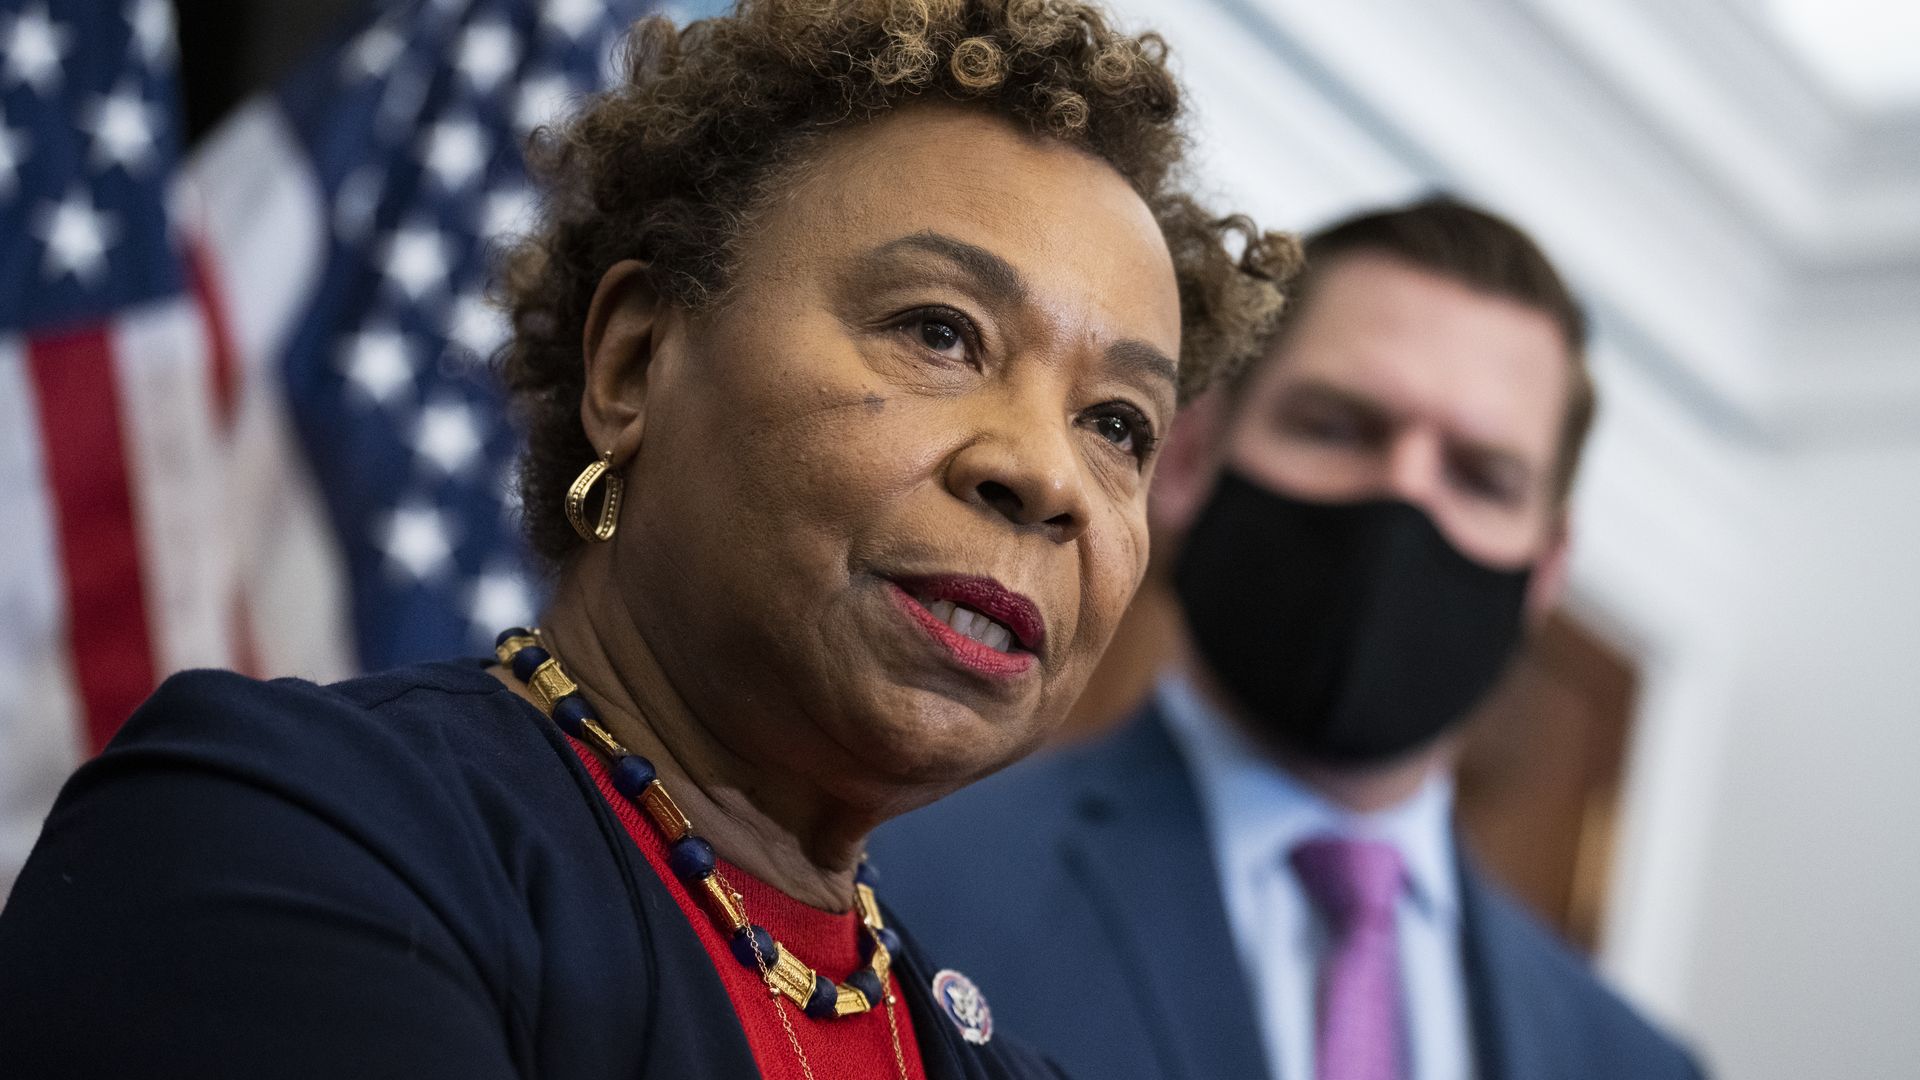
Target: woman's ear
(622,330)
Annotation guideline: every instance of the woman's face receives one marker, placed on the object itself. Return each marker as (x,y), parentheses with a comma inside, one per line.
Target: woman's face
(889,499)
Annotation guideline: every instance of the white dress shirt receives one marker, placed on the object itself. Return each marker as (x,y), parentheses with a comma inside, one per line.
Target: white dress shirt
(1256,812)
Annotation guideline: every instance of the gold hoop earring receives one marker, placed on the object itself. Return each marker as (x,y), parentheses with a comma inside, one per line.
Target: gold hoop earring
(602,531)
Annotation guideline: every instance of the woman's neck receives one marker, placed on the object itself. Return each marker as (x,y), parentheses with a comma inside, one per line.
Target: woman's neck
(774,825)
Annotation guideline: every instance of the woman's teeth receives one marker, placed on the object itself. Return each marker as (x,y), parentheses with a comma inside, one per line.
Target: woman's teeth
(969,623)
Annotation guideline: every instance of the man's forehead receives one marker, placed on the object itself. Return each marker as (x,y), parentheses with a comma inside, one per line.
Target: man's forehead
(1414,343)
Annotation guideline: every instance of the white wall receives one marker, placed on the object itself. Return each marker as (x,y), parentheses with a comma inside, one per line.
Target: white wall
(1808,951)
(1748,525)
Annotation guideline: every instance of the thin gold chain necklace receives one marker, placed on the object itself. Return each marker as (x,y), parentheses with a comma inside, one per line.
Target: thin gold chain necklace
(693,861)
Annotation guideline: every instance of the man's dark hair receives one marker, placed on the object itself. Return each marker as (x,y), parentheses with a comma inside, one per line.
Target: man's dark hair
(1452,239)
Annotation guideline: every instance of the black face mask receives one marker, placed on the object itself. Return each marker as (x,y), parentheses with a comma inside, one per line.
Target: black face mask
(1352,632)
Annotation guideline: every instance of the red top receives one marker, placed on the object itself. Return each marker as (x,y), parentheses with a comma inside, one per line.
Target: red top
(854,1047)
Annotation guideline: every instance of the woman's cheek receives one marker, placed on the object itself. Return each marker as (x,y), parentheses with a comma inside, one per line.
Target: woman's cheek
(1132,545)
(1116,564)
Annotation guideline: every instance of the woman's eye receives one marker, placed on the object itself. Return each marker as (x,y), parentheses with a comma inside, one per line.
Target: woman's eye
(938,335)
(940,330)
(1126,428)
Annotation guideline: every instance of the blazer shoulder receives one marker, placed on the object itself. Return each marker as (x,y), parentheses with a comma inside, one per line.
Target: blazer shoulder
(212,696)
(432,712)
(1534,970)
(401,760)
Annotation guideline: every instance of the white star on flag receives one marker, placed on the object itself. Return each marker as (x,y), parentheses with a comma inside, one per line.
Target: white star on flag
(13,142)
(374,52)
(447,436)
(477,326)
(77,237)
(34,49)
(456,152)
(487,54)
(500,599)
(508,210)
(379,363)
(122,128)
(415,539)
(543,99)
(572,17)
(152,22)
(417,260)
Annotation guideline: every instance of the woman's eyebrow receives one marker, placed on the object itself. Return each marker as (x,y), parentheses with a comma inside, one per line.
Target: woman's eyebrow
(995,275)
(1139,358)
(1001,282)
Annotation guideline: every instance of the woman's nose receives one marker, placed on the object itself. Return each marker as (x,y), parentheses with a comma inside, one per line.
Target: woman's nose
(1026,470)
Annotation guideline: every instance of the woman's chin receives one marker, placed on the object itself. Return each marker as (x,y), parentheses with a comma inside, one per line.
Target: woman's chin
(928,740)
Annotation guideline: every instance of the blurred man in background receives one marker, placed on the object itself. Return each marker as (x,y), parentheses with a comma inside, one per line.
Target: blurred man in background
(1258,875)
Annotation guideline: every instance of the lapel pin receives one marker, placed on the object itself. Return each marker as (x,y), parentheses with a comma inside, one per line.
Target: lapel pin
(965,1005)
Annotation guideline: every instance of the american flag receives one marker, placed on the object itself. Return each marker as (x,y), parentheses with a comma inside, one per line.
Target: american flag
(245,414)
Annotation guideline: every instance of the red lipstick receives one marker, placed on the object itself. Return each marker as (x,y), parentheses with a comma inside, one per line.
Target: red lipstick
(1025,627)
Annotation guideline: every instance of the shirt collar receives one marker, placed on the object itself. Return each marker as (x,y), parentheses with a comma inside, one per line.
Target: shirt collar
(1258,811)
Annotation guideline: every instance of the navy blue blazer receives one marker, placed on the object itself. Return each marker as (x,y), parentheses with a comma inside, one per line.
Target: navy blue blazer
(1079,891)
(408,876)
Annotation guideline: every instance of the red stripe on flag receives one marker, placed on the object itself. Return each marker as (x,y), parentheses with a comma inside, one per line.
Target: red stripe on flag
(85,454)
(225,370)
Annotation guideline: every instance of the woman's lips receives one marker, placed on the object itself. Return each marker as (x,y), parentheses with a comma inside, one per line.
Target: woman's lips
(981,624)
(985,596)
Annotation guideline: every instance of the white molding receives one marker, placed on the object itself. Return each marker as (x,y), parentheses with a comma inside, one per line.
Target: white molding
(1689,188)
(1874,210)
(1720,92)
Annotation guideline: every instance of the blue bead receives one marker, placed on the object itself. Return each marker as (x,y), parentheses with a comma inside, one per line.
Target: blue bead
(743,949)
(691,858)
(571,712)
(820,1005)
(885,937)
(868,984)
(866,875)
(631,775)
(510,632)
(527,659)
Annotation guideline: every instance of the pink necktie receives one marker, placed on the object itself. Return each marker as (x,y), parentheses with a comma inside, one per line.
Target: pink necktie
(1355,883)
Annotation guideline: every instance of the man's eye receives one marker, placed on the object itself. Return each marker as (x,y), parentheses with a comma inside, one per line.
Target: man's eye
(1492,488)
(1493,481)
(1330,429)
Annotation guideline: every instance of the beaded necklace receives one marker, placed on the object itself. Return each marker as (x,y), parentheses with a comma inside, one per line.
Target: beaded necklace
(692,860)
